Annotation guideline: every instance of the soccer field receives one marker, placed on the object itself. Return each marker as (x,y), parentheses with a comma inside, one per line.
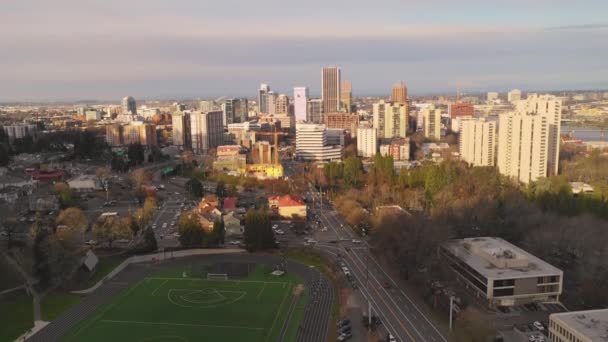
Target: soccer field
(163,308)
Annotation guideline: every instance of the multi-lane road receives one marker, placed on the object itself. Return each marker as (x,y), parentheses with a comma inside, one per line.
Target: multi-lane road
(398,313)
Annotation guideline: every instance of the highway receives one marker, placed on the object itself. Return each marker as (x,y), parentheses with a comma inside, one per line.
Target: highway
(398,313)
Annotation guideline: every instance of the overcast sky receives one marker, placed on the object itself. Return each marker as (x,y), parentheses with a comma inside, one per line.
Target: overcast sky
(106,49)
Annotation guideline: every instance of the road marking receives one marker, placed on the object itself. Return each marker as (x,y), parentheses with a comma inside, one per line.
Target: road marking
(262,290)
(159,286)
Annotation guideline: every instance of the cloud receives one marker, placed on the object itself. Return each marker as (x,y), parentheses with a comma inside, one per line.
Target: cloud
(580,27)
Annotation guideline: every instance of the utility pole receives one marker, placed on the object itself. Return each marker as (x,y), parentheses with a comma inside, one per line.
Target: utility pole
(451,309)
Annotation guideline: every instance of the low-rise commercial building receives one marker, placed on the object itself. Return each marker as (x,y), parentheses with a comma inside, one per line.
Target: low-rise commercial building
(288,206)
(312,143)
(579,326)
(84,183)
(399,149)
(501,272)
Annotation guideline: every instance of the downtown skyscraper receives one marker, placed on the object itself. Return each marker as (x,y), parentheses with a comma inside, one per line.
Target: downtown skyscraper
(300,103)
(330,89)
(263,98)
(399,93)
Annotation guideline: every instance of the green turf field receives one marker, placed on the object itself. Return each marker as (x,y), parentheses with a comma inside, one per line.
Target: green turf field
(166,307)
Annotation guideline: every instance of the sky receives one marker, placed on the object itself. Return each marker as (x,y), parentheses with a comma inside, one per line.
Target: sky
(65,50)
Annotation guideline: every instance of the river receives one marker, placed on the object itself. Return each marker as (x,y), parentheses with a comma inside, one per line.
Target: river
(586,133)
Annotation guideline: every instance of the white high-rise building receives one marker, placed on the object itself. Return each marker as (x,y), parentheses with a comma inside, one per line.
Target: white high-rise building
(312,143)
(128,105)
(207,130)
(492,96)
(390,119)
(551,107)
(271,102)
(523,146)
(514,95)
(478,142)
(300,103)
(180,124)
(263,98)
(367,141)
(432,122)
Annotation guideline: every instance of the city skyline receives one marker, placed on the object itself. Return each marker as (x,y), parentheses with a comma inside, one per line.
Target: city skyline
(188,49)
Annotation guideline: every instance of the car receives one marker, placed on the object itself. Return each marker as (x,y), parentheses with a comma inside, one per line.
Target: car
(275,226)
(343,322)
(341,225)
(165,225)
(539,326)
(356,242)
(91,243)
(346,271)
(345,329)
(390,338)
(176,234)
(312,241)
(386,284)
(324,229)
(345,336)
(154,226)
(279,232)
(173,224)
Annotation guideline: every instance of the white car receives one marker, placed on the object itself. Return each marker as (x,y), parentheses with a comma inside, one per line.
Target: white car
(391,338)
(538,325)
(345,270)
(324,229)
(312,241)
(154,226)
(235,242)
(279,232)
(355,241)
(176,234)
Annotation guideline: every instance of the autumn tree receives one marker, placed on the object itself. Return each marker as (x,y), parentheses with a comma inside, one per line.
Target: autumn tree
(64,193)
(74,223)
(190,230)
(112,228)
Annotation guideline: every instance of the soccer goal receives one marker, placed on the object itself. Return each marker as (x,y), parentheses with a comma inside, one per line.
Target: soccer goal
(217,276)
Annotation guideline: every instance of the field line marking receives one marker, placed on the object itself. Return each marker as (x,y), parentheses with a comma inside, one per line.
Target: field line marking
(217,280)
(277,314)
(112,303)
(262,290)
(159,286)
(182,324)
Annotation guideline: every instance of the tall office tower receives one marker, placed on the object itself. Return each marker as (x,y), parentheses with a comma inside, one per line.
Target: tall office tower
(330,89)
(179,107)
(312,144)
(207,131)
(514,95)
(180,123)
(367,141)
(271,102)
(399,94)
(206,106)
(300,103)
(478,142)
(551,107)
(128,105)
(492,96)
(458,109)
(262,98)
(346,96)
(282,105)
(523,148)
(432,122)
(390,119)
(235,110)
(315,111)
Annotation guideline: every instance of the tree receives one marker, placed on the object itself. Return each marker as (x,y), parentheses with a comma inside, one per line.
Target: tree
(191,232)
(148,209)
(150,240)
(4,155)
(135,152)
(75,222)
(64,193)
(258,230)
(195,188)
(10,225)
(353,171)
(111,229)
(218,233)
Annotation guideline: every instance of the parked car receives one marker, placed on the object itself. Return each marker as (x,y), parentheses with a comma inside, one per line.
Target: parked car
(390,338)
(538,325)
(356,242)
(386,284)
(345,336)
(343,322)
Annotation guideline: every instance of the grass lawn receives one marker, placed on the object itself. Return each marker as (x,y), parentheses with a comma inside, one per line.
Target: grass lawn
(170,307)
(16,315)
(10,278)
(53,304)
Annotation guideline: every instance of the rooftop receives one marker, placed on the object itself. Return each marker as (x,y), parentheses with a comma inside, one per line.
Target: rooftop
(496,258)
(592,324)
